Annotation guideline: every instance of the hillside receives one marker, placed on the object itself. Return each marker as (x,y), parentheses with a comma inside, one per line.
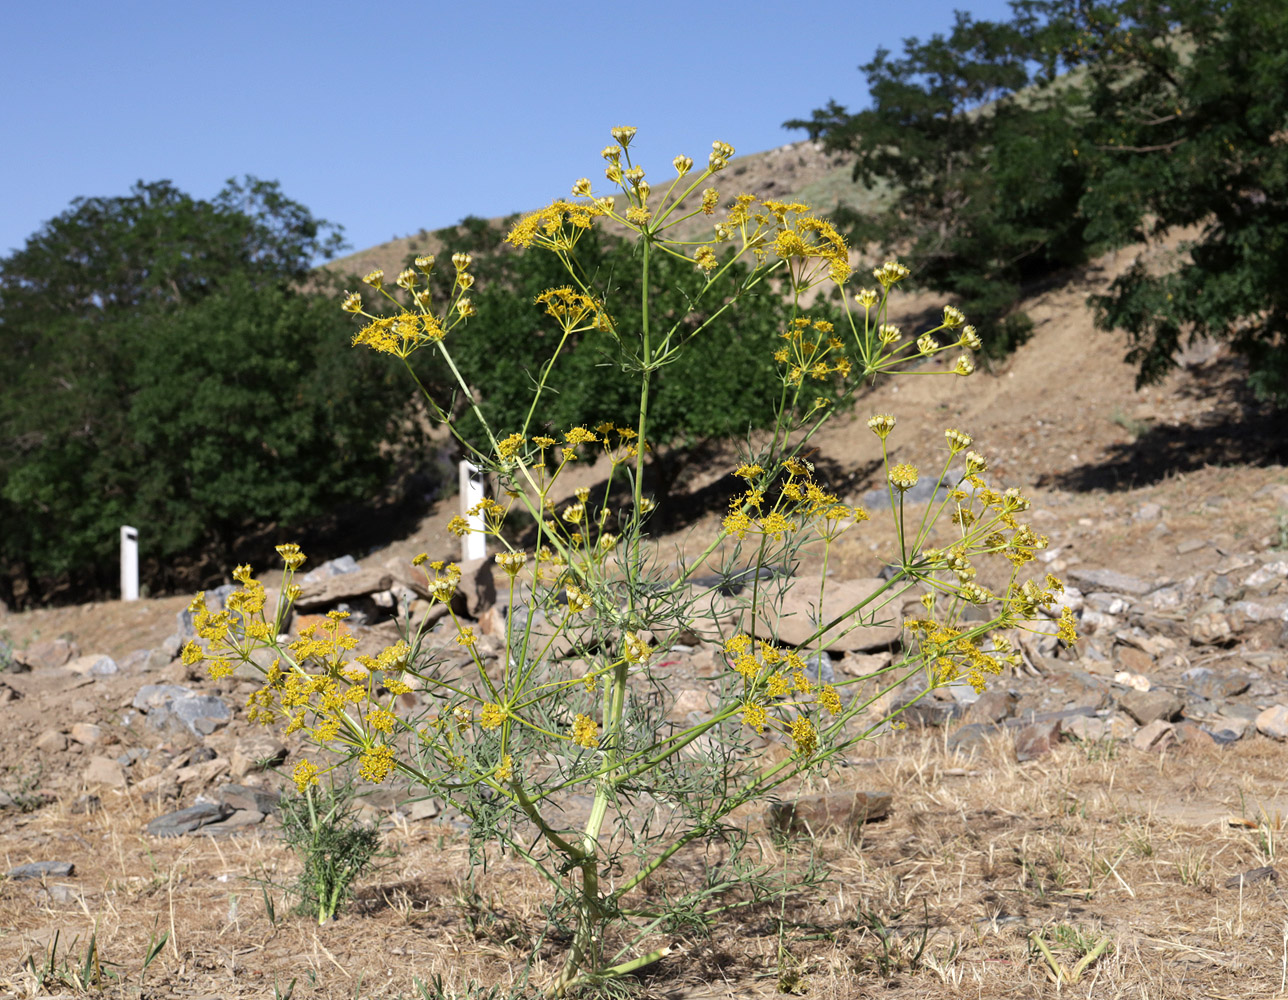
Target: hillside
(1127,790)
(798,171)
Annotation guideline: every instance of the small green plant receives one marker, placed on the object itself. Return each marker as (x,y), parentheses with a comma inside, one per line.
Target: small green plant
(1192,868)
(321,827)
(1087,947)
(436,989)
(1132,425)
(89,972)
(574,706)
(898,952)
(22,785)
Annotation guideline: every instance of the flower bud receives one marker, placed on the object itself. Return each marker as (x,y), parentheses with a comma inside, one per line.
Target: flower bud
(881,425)
(682,164)
(582,188)
(374,278)
(352,302)
(462,261)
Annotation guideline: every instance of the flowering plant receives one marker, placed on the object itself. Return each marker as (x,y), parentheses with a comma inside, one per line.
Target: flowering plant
(573,709)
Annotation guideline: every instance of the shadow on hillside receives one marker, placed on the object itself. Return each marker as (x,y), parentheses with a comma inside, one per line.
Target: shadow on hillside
(1240,430)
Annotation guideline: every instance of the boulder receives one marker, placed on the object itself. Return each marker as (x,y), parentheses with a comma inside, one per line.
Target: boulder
(176,824)
(95,664)
(1037,739)
(43,869)
(181,709)
(105,771)
(334,589)
(48,653)
(332,567)
(1273,722)
(816,814)
(1147,706)
(1109,580)
(800,616)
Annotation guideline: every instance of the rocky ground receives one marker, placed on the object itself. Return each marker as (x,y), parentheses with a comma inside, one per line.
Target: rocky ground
(1128,788)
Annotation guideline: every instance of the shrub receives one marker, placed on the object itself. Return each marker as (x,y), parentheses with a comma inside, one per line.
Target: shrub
(576,703)
(335,848)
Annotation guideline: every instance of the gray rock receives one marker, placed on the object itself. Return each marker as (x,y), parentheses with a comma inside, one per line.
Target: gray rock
(333,590)
(241,821)
(1166,599)
(43,869)
(1147,706)
(816,814)
(332,567)
(818,668)
(1110,580)
(200,714)
(179,708)
(176,824)
(1269,573)
(152,696)
(423,809)
(1107,603)
(263,800)
(1216,686)
(879,498)
(95,665)
(1260,611)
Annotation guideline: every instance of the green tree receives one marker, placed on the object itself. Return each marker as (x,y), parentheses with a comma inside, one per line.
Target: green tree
(167,372)
(1021,148)
(716,390)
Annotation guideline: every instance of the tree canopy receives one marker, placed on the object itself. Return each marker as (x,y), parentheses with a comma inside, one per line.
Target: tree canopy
(1020,148)
(164,369)
(719,387)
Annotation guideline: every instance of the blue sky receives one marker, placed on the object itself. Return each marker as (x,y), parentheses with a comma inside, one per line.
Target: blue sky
(392,117)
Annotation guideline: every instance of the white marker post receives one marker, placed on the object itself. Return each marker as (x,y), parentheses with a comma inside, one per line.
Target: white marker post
(474,544)
(129,563)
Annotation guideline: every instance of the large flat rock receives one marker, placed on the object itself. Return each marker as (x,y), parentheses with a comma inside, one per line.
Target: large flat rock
(801,615)
(335,589)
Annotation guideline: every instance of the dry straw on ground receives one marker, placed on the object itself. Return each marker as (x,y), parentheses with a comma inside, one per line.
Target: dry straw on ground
(1092,843)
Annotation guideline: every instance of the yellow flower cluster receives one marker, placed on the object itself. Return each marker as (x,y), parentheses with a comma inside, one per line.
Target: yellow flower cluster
(812,247)
(812,350)
(558,226)
(764,667)
(800,503)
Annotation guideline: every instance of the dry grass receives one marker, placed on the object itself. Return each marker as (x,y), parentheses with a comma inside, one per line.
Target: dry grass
(1092,843)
